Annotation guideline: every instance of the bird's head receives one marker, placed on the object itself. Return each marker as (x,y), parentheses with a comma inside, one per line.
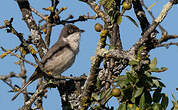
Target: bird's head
(71,34)
(70,29)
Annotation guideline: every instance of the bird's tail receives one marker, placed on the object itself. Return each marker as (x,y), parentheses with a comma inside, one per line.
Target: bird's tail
(34,76)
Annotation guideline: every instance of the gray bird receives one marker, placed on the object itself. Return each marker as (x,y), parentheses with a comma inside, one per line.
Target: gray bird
(60,56)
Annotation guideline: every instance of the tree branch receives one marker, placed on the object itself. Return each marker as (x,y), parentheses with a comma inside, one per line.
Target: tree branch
(35,33)
(145,36)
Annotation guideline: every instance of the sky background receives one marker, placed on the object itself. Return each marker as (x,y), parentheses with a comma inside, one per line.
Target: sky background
(129,35)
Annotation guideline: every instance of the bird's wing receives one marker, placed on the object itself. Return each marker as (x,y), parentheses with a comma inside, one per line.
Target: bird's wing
(55,48)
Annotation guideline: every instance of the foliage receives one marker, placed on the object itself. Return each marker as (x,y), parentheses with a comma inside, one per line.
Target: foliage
(139,90)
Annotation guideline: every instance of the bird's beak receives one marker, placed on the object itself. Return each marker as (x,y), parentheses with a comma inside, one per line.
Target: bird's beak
(81,30)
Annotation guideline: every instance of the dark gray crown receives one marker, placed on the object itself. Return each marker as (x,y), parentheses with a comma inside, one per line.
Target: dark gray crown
(70,29)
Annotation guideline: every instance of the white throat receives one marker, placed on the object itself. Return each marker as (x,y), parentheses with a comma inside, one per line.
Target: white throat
(73,40)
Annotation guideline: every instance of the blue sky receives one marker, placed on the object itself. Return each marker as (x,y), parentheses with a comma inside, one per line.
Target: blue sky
(129,34)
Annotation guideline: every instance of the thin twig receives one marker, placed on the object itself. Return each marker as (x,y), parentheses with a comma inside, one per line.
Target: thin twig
(69,77)
(167,44)
(37,13)
(165,38)
(151,28)
(20,57)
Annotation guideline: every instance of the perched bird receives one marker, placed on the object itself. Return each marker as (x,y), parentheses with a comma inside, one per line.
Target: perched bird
(60,56)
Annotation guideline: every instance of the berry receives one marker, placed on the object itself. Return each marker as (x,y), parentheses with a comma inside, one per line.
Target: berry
(98,27)
(116,92)
(127,5)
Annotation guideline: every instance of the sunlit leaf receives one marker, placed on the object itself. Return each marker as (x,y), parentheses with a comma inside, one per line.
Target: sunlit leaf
(95,96)
(153,63)
(122,107)
(133,62)
(142,102)
(156,106)
(164,69)
(119,20)
(156,82)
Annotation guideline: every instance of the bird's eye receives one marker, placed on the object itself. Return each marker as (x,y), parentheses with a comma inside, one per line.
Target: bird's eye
(70,31)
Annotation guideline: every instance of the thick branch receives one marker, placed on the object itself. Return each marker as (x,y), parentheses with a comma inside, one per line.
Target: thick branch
(40,91)
(91,79)
(151,14)
(115,37)
(35,33)
(145,36)
(139,12)
(97,10)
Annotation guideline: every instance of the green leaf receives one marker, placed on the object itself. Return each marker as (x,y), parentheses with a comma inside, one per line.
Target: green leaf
(95,96)
(132,99)
(147,73)
(132,20)
(133,62)
(155,70)
(156,82)
(119,19)
(122,107)
(106,96)
(121,78)
(153,63)
(156,106)
(164,69)
(151,6)
(157,95)
(130,77)
(164,101)
(158,70)
(148,100)
(122,81)
(127,93)
(138,92)
(142,102)
(161,84)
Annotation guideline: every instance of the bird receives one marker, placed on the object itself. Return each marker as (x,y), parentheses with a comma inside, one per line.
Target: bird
(60,56)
